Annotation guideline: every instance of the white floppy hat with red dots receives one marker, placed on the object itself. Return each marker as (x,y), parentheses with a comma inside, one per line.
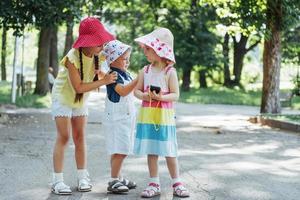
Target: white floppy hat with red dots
(114,49)
(161,40)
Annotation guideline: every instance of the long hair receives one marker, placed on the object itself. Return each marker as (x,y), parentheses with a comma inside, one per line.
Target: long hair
(96,61)
(79,96)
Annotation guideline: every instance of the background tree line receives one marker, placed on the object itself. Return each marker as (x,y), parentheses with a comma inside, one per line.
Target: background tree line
(207,35)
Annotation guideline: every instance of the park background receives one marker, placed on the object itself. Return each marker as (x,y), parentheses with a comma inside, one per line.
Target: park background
(227,51)
(236,60)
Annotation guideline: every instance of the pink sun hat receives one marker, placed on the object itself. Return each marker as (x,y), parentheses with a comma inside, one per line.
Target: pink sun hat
(161,40)
(92,34)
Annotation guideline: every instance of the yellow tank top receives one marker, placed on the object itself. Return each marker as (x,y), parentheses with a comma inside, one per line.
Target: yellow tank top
(63,89)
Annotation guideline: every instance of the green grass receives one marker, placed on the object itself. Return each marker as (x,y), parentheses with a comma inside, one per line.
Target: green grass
(26,101)
(296,102)
(287,118)
(222,95)
(4,92)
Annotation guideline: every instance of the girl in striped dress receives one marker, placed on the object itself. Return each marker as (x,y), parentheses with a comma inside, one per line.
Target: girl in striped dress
(156,130)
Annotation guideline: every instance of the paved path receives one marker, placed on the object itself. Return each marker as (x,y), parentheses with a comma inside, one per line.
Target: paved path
(222,157)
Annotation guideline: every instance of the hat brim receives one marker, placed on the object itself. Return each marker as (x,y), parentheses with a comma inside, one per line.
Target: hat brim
(144,41)
(92,41)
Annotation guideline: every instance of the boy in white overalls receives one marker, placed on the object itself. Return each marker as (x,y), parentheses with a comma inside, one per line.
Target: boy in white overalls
(119,120)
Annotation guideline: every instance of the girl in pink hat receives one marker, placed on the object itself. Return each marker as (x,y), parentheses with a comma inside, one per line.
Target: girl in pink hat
(69,94)
(158,88)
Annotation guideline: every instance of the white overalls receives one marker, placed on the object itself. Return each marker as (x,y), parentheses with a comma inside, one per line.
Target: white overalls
(119,124)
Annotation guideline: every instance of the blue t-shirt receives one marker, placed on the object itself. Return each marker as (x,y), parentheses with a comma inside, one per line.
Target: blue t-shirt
(112,95)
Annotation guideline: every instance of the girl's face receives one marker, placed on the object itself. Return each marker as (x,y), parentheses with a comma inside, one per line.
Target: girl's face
(151,55)
(122,62)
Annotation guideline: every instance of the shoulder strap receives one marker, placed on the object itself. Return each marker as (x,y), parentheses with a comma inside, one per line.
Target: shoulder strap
(168,68)
(147,69)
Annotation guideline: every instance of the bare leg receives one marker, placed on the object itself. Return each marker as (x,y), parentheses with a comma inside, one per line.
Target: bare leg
(63,130)
(116,161)
(153,165)
(172,164)
(179,189)
(78,127)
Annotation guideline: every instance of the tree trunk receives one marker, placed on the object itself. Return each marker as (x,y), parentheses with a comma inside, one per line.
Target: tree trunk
(186,79)
(69,36)
(53,51)
(3,54)
(239,52)
(227,79)
(271,59)
(42,86)
(202,79)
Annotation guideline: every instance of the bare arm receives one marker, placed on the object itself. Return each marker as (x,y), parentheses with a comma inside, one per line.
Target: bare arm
(139,90)
(81,87)
(174,89)
(124,90)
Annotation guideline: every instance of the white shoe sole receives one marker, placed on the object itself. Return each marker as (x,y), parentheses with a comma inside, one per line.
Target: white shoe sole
(84,190)
(60,193)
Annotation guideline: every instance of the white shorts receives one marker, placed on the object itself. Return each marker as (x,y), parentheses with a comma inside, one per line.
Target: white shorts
(60,110)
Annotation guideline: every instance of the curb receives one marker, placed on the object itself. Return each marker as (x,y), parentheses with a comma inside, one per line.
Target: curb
(274,123)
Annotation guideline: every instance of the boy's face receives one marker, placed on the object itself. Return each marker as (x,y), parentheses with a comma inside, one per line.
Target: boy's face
(122,62)
(150,54)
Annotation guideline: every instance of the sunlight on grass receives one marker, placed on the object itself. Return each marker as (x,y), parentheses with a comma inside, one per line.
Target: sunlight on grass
(26,101)
(287,118)
(222,95)
(296,103)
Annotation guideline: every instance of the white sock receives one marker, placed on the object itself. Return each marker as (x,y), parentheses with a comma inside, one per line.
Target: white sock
(82,173)
(121,178)
(175,180)
(58,177)
(154,180)
(113,179)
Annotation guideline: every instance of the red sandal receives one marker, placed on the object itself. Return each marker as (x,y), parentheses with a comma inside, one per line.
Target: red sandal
(151,190)
(179,190)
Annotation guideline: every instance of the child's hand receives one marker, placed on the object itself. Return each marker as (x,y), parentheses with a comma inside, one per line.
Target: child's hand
(146,96)
(154,95)
(100,73)
(110,78)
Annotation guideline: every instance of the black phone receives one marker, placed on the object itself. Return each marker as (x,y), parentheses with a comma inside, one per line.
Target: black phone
(154,88)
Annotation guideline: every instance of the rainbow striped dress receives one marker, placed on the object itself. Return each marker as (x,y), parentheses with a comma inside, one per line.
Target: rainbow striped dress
(156,128)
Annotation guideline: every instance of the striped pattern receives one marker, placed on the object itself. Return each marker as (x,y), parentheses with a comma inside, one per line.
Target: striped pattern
(156,130)
(157,116)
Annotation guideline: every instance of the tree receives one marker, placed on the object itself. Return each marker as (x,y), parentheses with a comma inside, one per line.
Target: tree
(42,85)
(69,34)
(3,53)
(243,22)
(280,15)
(53,60)
(195,42)
(290,45)
(12,16)
(48,15)
(72,13)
